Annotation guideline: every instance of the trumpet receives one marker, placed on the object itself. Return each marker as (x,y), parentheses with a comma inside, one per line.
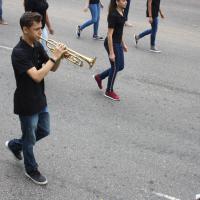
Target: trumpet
(72,56)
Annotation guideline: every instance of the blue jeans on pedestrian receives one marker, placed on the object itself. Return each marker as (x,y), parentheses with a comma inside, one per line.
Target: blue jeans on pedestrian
(1,12)
(152,31)
(34,128)
(95,13)
(116,66)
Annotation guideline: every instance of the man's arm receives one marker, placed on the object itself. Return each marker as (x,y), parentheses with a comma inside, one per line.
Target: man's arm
(86,5)
(51,31)
(38,75)
(56,65)
(52,64)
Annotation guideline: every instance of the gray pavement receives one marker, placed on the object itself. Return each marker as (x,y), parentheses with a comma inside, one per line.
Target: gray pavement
(145,147)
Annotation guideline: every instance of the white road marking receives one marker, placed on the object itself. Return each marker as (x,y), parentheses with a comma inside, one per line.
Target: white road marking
(165,196)
(7,48)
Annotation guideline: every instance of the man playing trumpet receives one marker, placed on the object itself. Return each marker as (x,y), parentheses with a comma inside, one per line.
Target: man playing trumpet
(31,64)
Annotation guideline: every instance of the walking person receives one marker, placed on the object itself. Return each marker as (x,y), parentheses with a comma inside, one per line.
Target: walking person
(40,6)
(2,21)
(114,46)
(95,7)
(152,12)
(126,12)
(31,64)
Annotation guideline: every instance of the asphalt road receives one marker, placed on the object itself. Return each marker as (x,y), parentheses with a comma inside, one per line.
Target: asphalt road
(145,147)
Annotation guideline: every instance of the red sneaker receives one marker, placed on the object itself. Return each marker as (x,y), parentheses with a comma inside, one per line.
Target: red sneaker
(99,81)
(112,95)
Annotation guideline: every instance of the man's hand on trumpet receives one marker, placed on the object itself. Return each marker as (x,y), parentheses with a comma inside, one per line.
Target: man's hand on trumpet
(60,52)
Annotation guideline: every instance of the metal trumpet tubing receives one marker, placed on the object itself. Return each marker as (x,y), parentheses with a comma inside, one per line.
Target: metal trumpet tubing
(72,56)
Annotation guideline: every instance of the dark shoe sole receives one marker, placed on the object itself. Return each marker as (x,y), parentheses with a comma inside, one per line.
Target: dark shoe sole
(78,32)
(135,40)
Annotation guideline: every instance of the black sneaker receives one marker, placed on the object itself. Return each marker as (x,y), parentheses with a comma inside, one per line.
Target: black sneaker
(136,39)
(37,177)
(17,155)
(78,32)
(97,37)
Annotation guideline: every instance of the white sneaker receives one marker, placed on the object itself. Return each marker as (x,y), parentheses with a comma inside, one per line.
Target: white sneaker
(128,24)
(97,37)
(154,49)
(197,197)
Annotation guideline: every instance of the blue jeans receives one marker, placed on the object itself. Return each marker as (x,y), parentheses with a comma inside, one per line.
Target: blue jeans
(1,12)
(152,31)
(34,128)
(95,13)
(116,66)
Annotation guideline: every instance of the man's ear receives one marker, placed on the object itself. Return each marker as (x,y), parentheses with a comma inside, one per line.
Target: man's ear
(25,30)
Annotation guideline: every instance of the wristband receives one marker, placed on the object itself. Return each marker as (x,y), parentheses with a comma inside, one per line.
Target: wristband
(51,59)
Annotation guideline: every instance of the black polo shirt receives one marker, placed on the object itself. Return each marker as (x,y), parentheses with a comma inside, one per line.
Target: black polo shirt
(29,96)
(39,6)
(94,2)
(116,21)
(155,7)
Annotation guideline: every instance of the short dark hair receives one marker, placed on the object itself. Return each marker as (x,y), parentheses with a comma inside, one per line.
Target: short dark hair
(28,18)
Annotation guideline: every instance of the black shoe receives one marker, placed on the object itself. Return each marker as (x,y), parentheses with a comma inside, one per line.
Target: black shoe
(17,154)
(136,40)
(37,177)
(97,37)
(78,32)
